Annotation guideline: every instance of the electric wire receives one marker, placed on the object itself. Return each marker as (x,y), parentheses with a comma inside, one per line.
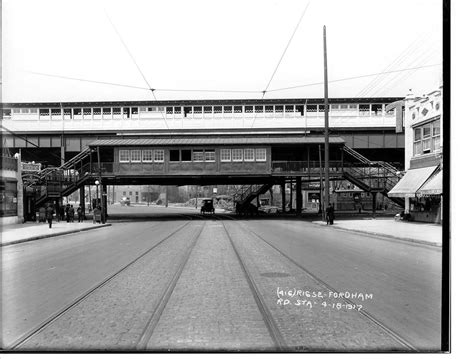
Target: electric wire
(351,78)
(284,51)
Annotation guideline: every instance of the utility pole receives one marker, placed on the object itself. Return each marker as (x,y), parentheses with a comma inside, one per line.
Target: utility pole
(326,126)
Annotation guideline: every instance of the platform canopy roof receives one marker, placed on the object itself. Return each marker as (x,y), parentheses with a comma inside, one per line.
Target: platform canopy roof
(219,141)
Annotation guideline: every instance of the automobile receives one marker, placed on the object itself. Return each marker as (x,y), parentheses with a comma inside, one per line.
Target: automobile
(207,206)
(125,201)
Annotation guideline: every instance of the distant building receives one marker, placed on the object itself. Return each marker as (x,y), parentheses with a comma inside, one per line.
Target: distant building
(421,186)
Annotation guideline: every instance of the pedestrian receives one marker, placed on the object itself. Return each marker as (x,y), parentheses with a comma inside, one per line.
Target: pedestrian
(49,214)
(330,214)
(42,215)
(66,210)
(61,212)
(71,213)
(79,213)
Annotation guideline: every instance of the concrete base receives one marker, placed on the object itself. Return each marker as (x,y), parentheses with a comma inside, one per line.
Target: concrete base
(5,221)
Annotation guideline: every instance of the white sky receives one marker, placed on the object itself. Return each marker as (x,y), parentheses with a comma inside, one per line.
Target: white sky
(217,45)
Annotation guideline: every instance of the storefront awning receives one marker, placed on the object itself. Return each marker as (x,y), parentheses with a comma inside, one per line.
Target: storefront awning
(411,182)
(432,187)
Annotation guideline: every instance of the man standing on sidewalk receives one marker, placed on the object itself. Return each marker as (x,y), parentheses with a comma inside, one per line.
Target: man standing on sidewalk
(49,214)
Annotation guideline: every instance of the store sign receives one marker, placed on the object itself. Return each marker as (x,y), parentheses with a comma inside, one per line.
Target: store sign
(30,167)
(30,178)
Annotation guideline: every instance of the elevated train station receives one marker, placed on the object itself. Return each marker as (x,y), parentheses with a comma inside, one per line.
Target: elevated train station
(252,143)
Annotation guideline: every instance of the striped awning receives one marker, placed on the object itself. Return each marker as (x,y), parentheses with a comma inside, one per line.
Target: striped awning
(432,187)
(411,182)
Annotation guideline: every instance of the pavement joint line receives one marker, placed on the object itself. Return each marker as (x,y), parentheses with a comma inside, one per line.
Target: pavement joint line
(43,236)
(378,234)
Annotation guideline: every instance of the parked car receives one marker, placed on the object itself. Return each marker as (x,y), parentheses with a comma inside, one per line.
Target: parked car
(207,206)
(125,201)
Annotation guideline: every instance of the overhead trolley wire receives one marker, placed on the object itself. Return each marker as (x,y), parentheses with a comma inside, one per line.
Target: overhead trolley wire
(284,51)
(352,78)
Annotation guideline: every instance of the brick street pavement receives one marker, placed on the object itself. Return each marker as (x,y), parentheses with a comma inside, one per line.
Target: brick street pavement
(316,326)
(212,306)
(114,317)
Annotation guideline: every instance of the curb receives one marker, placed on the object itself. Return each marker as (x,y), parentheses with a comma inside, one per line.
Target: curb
(387,236)
(54,234)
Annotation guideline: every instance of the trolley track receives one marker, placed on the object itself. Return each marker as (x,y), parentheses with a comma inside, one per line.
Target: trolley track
(163,301)
(395,336)
(58,314)
(272,327)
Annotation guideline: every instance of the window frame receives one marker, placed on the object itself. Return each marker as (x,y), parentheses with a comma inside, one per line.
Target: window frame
(261,150)
(237,158)
(138,158)
(120,156)
(248,151)
(156,157)
(226,151)
(147,151)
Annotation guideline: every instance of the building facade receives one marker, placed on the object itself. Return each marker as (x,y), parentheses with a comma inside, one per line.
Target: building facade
(421,185)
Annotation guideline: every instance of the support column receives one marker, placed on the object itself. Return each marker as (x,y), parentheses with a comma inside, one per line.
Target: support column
(299,196)
(283,197)
(291,194)
(374,202)
(104,203)
(82,198)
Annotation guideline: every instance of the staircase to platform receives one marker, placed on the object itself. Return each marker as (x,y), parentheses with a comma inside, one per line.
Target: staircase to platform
(371,176)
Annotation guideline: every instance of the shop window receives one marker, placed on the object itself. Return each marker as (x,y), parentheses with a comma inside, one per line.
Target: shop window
(198,156)
(147,155)
(135,155)
(186,155)
(174,155)
(436,135)
(261,154)
(159,155)
(124,156)
(225,155)
(237,155)
(249,154)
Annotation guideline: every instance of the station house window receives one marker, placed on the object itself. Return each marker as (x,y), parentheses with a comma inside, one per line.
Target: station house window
(237,155)
(159,155)
(249,154)
(198,156)
(260,154)
(117,110)
(217,109)
(124,156)
(209,155)
(225,155)
(186,155)
(135,155)
(147,155)
(174,155)
(427,138)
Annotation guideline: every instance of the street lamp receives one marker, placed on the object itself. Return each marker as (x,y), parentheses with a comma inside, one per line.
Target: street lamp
(97,192)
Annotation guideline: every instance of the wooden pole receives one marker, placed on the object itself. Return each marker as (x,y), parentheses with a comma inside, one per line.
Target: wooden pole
(326,126)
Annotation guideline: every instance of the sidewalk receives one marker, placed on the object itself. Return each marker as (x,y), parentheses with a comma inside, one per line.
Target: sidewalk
(425,233)
(18,233)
